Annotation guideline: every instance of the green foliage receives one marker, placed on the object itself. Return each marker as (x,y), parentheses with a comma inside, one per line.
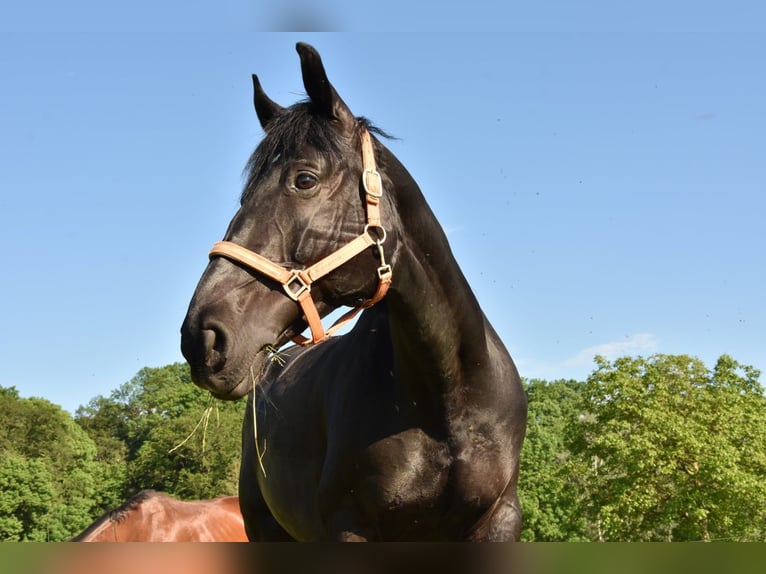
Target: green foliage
(667,450)
(26,495)
(165,433)
(49,478)
(195,455)
(544,489)
(657,448)
(58,474)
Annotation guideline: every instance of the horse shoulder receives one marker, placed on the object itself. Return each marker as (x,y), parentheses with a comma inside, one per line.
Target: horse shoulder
(233,525)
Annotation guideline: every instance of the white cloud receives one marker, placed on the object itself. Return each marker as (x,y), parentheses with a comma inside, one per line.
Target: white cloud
(580,365)
(639,344)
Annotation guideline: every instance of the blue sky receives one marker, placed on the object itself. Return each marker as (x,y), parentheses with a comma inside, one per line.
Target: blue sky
(600,172)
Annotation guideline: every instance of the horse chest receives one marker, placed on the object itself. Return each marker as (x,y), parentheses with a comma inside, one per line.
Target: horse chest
(363,447)
(403,471)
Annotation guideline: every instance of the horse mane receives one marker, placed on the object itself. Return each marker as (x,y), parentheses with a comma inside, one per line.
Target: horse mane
(118,514)
(293,129)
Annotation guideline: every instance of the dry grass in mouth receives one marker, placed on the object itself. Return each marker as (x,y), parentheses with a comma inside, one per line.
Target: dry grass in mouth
(258,452)
(204,421)
(275,356)
(280,358)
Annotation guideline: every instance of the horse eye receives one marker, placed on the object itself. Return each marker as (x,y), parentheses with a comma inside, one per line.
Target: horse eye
(305,181)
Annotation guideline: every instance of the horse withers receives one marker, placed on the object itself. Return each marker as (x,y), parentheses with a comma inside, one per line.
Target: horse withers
(152,516)
(409,427)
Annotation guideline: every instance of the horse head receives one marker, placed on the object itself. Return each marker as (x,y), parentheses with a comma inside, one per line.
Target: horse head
(308,231)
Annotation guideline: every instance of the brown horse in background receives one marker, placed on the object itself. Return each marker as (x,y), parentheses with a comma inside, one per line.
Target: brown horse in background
(152,516)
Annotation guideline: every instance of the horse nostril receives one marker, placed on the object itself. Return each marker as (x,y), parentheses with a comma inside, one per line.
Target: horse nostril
(214,344)
(205,345)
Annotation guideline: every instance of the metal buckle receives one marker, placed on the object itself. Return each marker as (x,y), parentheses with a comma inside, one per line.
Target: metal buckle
(301,288)
(375,173)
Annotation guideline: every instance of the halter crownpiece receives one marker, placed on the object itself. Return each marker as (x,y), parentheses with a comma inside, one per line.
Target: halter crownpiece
(297,282)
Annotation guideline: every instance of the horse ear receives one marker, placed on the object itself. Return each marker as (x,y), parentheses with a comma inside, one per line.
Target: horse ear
(323,96)
(264,106)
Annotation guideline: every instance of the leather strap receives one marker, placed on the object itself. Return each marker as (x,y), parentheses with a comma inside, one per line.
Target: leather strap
(297,282)
(251,259)
(371,181)
(338,258)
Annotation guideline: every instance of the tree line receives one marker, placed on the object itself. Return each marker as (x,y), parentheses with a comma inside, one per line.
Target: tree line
(59,472)
(658,448)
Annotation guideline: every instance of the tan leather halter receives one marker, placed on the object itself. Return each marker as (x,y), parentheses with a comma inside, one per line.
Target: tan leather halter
(297,282)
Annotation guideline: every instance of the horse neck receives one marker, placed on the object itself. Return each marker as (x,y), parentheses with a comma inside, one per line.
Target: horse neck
(103,530)
(438,329)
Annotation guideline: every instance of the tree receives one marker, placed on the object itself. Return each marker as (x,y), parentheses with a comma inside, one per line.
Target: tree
(48,473)
(26,497)
(546,498)
(195,455)
(156,431)
(168,434)
(105,421)
(667,450)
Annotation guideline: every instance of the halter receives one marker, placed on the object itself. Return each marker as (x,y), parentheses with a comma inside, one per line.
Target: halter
(297,282)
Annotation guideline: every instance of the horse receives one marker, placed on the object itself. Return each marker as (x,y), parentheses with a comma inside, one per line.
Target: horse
(409,426)
(152,516)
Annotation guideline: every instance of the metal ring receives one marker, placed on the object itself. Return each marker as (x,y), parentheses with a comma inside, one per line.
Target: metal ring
(383,229)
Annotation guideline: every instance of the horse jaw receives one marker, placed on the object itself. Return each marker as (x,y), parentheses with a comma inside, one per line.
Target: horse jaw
(241,376)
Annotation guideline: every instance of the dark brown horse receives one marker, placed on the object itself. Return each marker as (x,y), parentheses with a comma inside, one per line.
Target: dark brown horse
(151,516)
(407,428)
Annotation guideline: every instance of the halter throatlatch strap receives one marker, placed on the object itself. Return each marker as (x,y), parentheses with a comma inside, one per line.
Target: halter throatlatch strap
(297,282)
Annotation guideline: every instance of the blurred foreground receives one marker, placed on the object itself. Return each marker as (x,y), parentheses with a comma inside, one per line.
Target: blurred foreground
(537,558)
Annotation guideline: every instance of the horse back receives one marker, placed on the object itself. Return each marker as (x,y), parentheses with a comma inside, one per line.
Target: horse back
(157,517)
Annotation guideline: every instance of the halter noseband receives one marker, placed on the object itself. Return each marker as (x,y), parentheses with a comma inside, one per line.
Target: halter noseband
(297,282)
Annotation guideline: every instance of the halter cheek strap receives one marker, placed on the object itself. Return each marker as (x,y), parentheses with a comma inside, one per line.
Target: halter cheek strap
(297,282)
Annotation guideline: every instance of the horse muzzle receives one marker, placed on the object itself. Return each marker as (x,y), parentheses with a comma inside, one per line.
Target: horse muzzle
(228,346)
